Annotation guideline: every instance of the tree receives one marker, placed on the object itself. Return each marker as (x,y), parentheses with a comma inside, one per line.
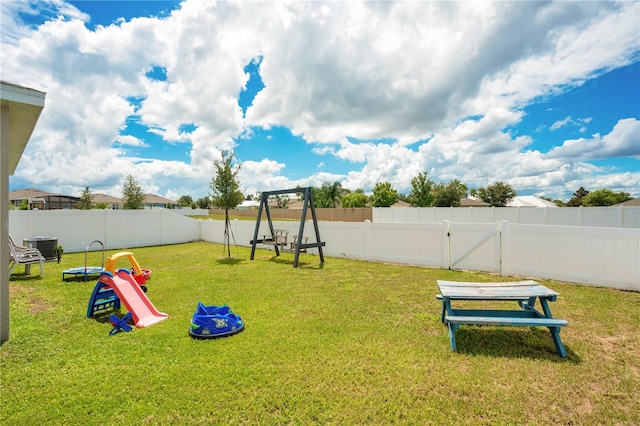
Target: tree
(86,200)
(604,197)
(448,195)
(420,195)
(383,195)
(132,196)
(576,200)
(329,195)
(354,199)
(226,193)
(281,202)
(404,197)
(497,195)
(557,202)
(203,202)
(186,201)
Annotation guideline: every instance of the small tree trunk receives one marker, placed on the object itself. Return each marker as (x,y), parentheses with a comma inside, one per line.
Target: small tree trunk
(227,224)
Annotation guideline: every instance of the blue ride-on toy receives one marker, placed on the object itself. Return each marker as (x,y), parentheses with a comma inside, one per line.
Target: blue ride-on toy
(209,322)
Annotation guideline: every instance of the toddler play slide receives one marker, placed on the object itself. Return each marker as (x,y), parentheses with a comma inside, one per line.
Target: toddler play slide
(134,299)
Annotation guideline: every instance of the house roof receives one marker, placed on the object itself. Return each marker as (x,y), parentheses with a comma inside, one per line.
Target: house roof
(530,201)
(248,204)
(400,203)
(23,194)
(25,106)
(104,198)
(156,199)
(634,202)
(472,202)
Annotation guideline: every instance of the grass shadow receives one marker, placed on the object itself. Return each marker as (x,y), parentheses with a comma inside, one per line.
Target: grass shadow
(301,264)
(81,278)
(103,317)
(233,261)
(511,342)
(24,277)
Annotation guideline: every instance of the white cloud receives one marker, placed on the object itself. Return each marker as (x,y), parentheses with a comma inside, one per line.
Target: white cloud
(129,140)
(560,123)
(443,81)
(623,141)
(569,121)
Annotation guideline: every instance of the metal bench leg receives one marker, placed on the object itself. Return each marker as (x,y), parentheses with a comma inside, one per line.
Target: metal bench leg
(555,334)
(452,336)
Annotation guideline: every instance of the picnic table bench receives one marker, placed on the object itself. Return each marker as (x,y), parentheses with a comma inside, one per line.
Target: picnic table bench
(524,293)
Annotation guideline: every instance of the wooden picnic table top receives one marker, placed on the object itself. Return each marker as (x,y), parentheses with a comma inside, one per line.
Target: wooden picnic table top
(494,290)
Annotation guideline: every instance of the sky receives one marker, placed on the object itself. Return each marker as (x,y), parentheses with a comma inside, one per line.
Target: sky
(544,96)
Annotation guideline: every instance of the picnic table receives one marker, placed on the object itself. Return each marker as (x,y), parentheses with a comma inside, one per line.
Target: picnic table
(524,293)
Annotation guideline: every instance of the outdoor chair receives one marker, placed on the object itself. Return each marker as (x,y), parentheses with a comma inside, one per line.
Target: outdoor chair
(20,255)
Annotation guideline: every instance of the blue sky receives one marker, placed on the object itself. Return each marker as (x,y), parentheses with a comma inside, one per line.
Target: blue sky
(528,93)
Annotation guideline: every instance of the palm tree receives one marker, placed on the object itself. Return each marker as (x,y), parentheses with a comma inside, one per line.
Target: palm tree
(331,194)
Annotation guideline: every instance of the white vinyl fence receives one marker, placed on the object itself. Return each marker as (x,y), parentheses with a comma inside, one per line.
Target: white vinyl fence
(600,256)
(610,217)
(187,211)
(116,229)
(608,257)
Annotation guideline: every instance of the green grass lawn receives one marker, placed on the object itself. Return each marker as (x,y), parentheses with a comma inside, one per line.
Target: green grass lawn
(348,342)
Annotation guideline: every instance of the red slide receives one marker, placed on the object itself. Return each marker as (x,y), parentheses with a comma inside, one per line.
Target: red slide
(129,291)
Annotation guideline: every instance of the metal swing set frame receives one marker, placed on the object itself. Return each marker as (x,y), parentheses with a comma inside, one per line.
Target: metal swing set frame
(297,246)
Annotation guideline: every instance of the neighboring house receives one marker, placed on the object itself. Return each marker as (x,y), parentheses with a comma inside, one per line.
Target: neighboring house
(471,201)
(248,204)
(152,201)
(631,203)
(294,204)
(113,203)
(530,201)
(37,199)
(401,203)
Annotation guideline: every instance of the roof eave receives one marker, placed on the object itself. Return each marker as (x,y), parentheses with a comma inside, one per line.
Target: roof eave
(24,106)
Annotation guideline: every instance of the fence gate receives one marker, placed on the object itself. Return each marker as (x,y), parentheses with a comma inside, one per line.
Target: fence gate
(464,239)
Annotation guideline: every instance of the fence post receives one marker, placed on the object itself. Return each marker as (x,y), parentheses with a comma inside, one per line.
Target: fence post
(580,220)
(620,217)
(367,238)
(504,248)
(105,226)
(498,248)
(161,227)
(446,244)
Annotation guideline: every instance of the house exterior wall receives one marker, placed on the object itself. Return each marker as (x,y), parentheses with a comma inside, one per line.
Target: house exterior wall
(4,222)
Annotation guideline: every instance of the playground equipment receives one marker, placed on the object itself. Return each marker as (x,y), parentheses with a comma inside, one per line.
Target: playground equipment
(87,270)
(140,275)
(276,240)
(209,322)
(112,289)
(120,324)
(103,298)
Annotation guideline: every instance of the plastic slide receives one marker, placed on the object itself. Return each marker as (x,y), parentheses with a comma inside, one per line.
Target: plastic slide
(134,299)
